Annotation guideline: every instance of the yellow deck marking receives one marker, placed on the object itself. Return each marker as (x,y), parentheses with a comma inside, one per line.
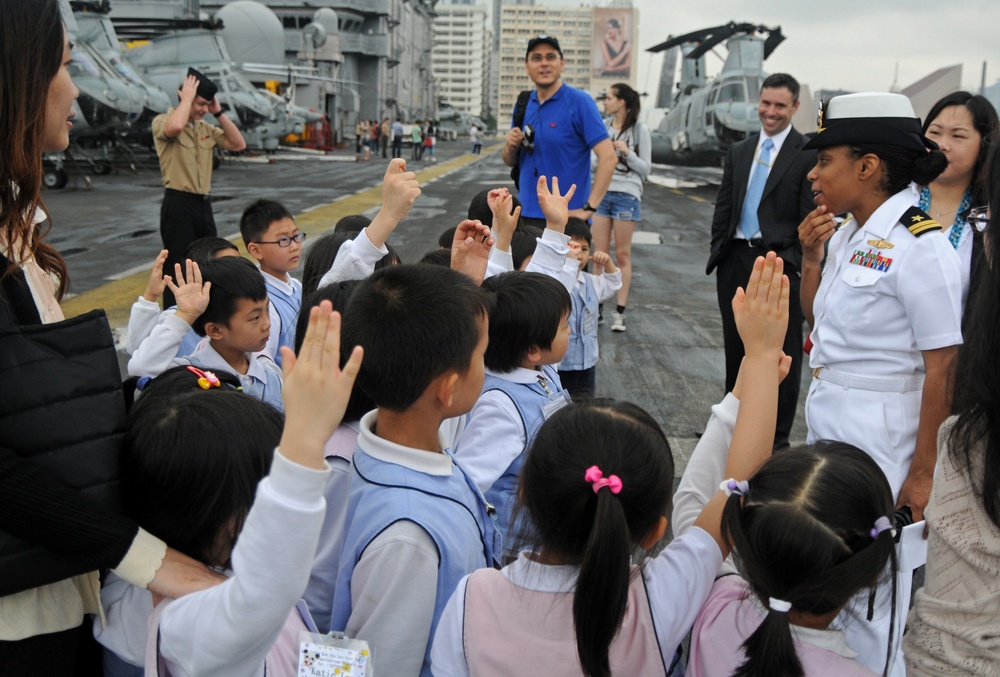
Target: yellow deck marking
(118,296)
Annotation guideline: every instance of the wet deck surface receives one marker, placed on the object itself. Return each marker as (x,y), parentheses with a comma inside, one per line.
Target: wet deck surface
(670,361)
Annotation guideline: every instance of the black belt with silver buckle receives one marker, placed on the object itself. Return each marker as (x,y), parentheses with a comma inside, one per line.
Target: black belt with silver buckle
(755,243)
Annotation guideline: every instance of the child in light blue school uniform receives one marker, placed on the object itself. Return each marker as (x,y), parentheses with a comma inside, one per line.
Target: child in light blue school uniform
(225,301)
(415,523)
(578,370)
(146,314)
(272,238)
(529,333)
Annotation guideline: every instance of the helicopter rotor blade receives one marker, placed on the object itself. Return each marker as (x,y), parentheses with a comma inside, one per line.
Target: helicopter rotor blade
(774,39)
(665,94)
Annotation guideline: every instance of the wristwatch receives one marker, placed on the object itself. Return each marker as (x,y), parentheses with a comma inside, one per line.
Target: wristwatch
(587,208)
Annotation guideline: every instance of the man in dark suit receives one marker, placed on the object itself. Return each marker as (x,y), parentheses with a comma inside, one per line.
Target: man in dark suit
(763,197)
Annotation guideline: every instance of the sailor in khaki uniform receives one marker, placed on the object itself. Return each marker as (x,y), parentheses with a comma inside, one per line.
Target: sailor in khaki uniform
(885,312)
(184,144)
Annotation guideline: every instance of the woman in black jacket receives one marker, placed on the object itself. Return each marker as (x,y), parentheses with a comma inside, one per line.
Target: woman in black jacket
(40,625)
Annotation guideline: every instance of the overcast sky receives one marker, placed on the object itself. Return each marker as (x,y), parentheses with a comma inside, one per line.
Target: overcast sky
(838,44)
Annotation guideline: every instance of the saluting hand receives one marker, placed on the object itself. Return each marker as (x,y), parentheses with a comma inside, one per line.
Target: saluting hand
(504,218)
(761,312)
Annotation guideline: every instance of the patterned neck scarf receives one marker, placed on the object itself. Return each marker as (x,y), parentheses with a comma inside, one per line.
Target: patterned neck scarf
(958,225)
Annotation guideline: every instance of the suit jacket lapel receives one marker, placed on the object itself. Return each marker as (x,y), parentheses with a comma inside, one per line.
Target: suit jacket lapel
(786,157)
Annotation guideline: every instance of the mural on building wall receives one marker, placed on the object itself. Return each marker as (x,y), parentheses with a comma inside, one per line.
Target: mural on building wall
(613,48)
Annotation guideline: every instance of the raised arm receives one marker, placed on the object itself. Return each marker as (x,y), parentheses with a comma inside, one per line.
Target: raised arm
(232,139)
(761,314)
(400,189)
(179,118)
(156,353)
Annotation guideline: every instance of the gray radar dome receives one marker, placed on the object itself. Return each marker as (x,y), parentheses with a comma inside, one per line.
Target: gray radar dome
(253,33)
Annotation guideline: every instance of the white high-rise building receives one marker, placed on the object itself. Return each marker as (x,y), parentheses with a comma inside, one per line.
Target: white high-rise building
(572,26)
(460,57)
(598,45)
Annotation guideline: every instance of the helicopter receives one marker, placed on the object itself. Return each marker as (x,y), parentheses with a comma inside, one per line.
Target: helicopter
(706,117)
(110,103)
(165,43)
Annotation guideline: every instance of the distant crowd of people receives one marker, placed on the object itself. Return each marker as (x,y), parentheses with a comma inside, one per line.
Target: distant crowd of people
(413,456)
(371,137)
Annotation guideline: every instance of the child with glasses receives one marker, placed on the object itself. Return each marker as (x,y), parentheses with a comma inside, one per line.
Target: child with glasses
(272,238)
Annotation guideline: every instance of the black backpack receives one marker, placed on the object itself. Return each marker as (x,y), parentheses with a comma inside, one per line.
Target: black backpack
(519,108)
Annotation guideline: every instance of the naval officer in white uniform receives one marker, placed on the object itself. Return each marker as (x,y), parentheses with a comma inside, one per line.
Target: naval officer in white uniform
(885,310)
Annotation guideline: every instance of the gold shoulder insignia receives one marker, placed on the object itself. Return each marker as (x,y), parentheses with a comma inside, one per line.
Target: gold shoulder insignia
(918,222)
(880,244)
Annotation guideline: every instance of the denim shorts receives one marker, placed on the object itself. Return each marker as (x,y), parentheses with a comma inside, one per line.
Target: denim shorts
(620,206)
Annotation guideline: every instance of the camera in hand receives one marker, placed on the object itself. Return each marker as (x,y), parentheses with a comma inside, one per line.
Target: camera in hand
(528,139)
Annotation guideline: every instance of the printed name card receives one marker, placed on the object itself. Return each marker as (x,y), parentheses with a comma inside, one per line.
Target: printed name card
(332,656)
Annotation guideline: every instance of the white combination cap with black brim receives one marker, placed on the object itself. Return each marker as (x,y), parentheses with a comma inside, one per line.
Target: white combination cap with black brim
(870,118)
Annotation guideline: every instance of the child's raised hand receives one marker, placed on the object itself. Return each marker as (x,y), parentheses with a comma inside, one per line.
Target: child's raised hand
(315,389)
(554,206)
(504,222)
(400,189)
(604,259)
(470,250)
(761,312)
(157,283)
(190,294)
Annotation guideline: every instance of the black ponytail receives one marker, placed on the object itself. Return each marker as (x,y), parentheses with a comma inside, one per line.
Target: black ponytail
(803,534)
(602,587)
(599,532)
(770,649)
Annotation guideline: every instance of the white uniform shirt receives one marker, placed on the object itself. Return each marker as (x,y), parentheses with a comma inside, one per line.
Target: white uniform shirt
(886,295)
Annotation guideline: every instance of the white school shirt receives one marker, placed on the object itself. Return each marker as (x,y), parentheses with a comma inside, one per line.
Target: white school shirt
(494,435)
(875,322)
(394,585)
(678,581)
(355,260)
(229,629)
(159,352)
(699,483)
(551,258)
(288,286)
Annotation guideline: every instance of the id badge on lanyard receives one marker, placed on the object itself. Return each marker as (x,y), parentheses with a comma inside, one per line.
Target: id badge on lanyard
(333,654)
(557,400)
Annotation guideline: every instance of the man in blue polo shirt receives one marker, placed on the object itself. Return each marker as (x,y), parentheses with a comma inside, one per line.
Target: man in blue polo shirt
(561,127)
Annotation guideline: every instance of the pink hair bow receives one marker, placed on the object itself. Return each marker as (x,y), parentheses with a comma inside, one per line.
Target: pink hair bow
(596,477)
